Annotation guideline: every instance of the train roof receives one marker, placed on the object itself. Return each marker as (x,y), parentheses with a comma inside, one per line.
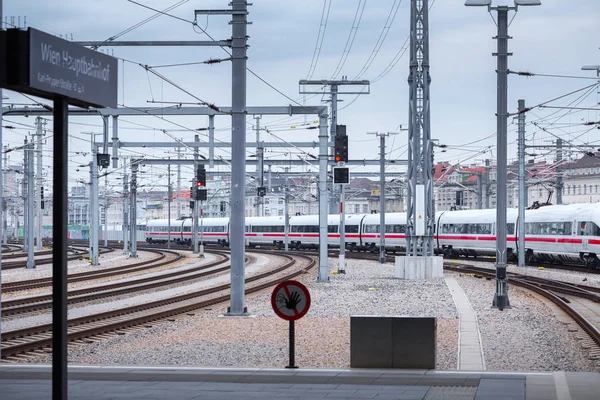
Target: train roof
(188,222)
(390,218)
(264,221)
(314,220)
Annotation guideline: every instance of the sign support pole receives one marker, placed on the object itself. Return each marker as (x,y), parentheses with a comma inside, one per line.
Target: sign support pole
(342,228)
(201,254)
(292,342)
(59,250)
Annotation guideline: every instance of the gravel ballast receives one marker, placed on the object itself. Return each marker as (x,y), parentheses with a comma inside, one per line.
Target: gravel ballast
(527,337)
(96,307)
(323,336)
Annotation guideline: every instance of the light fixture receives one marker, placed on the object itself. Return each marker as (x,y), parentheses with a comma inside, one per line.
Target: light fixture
(478,3)
(525,3)
(590,68)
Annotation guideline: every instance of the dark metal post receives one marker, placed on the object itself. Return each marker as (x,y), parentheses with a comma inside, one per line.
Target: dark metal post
(501,296)
(292,343)
(522,185)
(59,250)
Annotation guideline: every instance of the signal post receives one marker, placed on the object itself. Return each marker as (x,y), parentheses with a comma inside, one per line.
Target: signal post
(200,196)
(341,176)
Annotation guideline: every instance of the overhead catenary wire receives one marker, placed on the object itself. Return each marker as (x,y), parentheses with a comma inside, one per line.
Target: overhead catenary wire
(381,39)
(320,38)
(351,37)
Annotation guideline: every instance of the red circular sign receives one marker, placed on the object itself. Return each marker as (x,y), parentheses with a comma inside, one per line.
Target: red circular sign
(290,300)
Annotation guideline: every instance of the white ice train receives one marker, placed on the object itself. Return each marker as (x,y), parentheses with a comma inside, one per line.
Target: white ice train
(552,233)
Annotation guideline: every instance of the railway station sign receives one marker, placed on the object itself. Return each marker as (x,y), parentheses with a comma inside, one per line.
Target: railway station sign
(44,65)
(290,300)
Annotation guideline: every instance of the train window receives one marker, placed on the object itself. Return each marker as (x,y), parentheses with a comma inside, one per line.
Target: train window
(247,229)
(487,228)
(371,228)
(351,228)
(510,229)
(332,228)
(589,228)
(187,228)
(293,228)
(310,228)
(551,228)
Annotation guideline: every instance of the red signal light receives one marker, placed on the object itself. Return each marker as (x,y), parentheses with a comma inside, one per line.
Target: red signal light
(199,184)
(338,158)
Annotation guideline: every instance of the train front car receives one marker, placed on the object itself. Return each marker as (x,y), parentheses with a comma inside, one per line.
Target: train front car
(593,239)
(473,233)
(563,234)
(395,232)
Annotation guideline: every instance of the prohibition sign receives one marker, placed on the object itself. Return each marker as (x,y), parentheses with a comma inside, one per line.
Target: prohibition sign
(290,300)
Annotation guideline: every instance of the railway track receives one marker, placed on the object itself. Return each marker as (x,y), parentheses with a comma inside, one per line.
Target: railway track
(76,253)
(40,302)
(29,284)
(10,248)
(39,338)
(557,292)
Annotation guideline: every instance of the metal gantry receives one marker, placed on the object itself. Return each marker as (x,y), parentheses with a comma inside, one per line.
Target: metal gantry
(420,206)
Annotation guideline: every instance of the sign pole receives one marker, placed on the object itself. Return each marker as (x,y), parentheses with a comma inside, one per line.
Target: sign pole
(292,341)
(46,66)
(59,250)
(291,301)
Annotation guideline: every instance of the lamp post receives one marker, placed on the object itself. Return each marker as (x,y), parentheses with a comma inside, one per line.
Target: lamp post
(501,296)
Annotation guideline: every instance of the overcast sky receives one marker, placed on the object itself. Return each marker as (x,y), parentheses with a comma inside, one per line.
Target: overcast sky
(556,38)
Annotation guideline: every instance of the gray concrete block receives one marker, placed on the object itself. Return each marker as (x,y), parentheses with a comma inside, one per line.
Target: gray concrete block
(414,342)
(370,342)
(393,342)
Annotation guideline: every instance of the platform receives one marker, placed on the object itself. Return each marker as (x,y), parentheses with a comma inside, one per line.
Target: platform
(20,382)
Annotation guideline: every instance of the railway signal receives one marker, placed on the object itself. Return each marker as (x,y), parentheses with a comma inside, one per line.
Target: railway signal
(341,175)
(200,193)
(200,177)
(341,145)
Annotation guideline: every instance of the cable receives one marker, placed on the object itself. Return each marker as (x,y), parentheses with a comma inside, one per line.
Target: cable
(351,37)
(550,75)
(382,36)
(320,37)
(527,109)
(131,28)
